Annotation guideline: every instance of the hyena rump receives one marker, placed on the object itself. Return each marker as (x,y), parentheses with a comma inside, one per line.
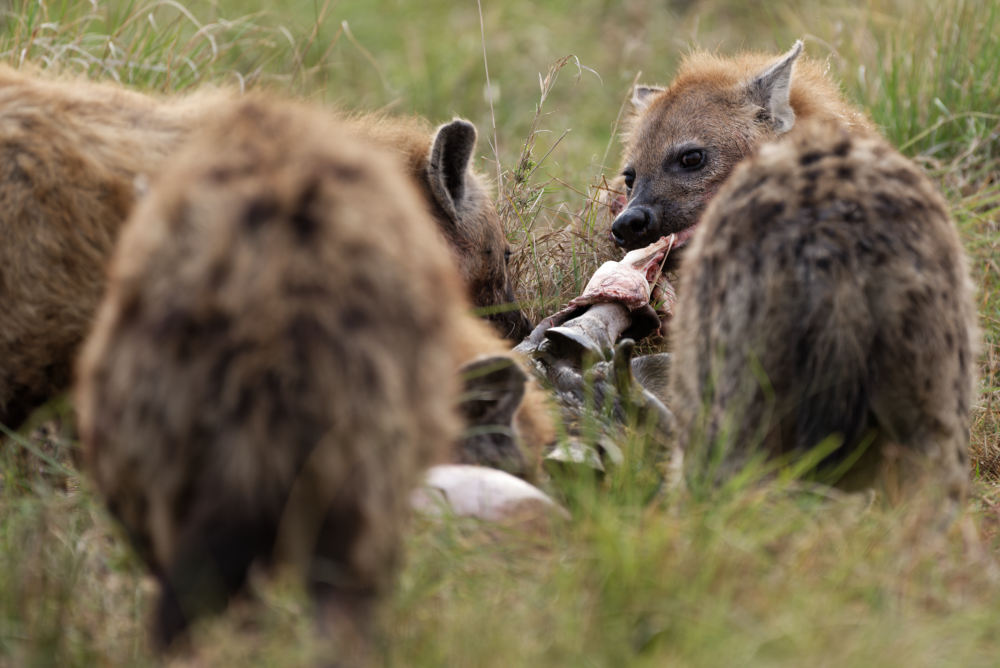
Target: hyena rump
(826,294)
(273,365)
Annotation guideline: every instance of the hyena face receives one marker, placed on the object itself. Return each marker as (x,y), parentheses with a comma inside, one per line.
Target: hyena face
(686,139)
(470,222)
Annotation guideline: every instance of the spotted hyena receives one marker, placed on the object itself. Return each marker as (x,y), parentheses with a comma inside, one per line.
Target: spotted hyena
(274,364)
(685,140)
(441,163)
(72,151)
(824,295)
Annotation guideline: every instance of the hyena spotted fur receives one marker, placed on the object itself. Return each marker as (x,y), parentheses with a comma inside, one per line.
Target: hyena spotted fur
(72,151)
(273,366)
(826,294)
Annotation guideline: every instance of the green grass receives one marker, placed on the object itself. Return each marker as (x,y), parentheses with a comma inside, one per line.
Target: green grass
(775,574)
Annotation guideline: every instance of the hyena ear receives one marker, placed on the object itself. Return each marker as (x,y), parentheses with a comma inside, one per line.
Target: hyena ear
(770,89)
(493,390)
(494,387)
(643,95)
(448,164)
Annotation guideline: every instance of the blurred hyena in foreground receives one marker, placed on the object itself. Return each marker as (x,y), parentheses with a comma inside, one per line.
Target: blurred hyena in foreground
(273,366)
(72,151)
(825,293)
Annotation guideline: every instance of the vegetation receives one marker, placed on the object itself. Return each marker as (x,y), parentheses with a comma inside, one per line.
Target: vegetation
(779,573)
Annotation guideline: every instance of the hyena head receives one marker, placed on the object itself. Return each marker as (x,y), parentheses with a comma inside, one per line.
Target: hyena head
(686,139)
(473,228)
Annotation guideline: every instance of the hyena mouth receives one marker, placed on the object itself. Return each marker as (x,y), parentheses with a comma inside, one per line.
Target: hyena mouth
(682,237)
(679,247)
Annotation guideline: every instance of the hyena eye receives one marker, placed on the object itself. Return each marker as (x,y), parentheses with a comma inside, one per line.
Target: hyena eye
(629,175)
(506,256)
(693,159)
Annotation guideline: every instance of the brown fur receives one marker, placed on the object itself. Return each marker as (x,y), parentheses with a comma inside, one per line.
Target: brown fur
(470,224)
(274,363)
(826,294)
(716,105)
(70,151)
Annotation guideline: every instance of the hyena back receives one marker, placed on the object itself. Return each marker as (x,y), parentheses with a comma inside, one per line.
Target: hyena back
(273,365)
(71,151)
(826,294)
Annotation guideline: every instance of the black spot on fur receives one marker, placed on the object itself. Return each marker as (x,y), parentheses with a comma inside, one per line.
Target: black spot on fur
(766,212)
(347,173)
(905,176)
(808,196)
(354,319)
(259,211)
(304,223)
(842,148)
(190,332)
(131,308)
(217,275)
(748,188)
(810,158)
(845,172)
(223,174)
(306,290)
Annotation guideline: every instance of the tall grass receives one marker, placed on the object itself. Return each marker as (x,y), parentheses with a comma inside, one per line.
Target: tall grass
(775,574)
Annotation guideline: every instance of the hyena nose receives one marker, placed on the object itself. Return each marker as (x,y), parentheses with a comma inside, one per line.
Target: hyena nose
(631,225)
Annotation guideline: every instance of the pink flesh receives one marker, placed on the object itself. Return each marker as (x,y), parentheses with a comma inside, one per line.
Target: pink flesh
(627,281)
(684,235)
(648,260)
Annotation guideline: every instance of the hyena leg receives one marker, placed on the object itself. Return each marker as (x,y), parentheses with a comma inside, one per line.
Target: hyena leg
(346,571)
(210,567)
(925,435)
(923,464)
